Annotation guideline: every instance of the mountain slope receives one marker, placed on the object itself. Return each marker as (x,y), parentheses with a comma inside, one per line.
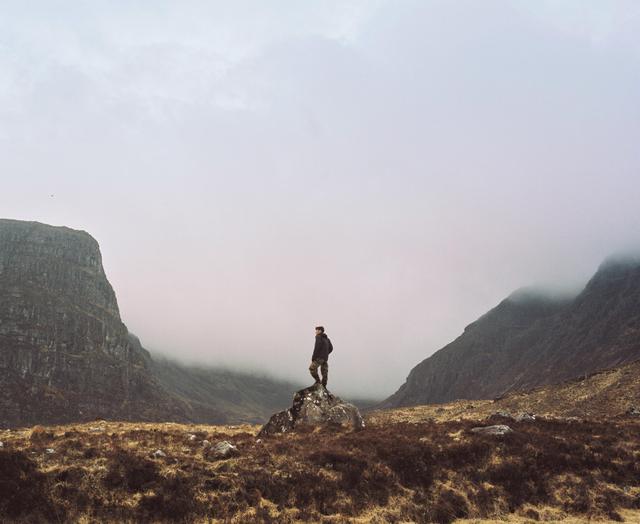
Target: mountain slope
(222,395)
(609,394)
(66,355)
(530,340)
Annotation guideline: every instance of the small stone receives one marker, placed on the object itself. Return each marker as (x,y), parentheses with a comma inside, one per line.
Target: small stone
(192,437)
(158,453)
(49,451)
(633,411)
(259,441)
(1,444)
(206,443)
(525,417)
(498,429)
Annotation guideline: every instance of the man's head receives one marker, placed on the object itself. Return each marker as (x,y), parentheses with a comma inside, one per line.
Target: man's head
(319,330)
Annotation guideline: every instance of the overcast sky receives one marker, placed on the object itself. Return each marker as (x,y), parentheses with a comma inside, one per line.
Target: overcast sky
(390,169)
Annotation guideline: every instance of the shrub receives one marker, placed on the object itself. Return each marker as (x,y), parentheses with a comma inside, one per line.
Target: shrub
(173,500)
(40,435)
(24,489)
(130,472)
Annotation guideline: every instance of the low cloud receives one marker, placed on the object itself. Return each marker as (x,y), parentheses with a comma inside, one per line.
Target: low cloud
(390,170)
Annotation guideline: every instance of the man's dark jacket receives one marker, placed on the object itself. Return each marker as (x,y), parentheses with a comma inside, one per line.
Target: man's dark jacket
(322,348)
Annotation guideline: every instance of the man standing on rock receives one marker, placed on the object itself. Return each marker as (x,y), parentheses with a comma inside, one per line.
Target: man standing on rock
(320,356)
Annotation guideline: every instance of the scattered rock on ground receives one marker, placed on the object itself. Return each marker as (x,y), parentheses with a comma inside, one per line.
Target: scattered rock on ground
(499,429)
(314,406)
(49,451)
(222,450)
(192,437)
(206,443)
(158,453)
(633,411)
(520,417)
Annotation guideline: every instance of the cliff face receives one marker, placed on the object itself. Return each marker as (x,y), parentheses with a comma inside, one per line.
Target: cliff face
(64,352)
(529,340)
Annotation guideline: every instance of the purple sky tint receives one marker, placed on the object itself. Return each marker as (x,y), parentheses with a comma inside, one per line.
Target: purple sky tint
(390,169)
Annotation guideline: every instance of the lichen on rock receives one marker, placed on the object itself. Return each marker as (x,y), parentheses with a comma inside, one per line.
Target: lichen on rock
(314,406)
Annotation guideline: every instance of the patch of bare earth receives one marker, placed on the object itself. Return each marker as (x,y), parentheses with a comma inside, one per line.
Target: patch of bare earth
(391,472)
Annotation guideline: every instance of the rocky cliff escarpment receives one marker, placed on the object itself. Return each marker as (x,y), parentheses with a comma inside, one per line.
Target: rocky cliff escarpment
(64,352)
(530,340)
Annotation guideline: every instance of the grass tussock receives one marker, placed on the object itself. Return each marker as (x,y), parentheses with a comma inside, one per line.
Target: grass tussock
(393,472)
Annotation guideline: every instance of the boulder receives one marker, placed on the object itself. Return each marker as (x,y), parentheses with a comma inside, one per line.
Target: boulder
(499,429)
(520,417)
(314,406)
(222,450)
(633,411)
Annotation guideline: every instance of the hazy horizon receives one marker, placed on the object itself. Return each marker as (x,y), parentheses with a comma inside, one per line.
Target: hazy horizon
(390,170)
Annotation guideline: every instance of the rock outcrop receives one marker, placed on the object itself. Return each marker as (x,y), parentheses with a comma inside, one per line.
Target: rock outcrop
(221,450)
(532,340)
(65,354)
(498,430)
(314,406)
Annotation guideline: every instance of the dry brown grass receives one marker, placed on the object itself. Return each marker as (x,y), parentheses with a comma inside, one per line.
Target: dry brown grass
(391,472)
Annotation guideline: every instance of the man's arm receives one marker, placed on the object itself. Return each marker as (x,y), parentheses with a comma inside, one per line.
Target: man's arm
(330,346)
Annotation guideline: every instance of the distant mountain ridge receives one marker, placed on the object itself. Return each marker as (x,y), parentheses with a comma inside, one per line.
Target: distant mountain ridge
(214,394)
(530,340)
(66,355)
